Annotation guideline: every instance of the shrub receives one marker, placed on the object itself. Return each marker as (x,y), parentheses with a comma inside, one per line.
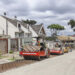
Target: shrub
(11,51)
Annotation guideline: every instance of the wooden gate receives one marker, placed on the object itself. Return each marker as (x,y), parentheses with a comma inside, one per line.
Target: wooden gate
(14,44)
(4,46)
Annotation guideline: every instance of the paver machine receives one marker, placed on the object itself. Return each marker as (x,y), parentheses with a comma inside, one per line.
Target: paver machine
(35,51)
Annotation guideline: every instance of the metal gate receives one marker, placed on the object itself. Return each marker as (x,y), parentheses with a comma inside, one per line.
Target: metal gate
(4,46)
(14,44)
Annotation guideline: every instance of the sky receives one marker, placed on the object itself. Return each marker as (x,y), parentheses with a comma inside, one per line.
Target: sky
(43,11)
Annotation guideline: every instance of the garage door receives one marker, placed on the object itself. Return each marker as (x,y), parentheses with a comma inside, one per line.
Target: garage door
(3,46)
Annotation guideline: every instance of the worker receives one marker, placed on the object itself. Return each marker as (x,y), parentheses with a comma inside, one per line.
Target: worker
(42,46)
(56,45)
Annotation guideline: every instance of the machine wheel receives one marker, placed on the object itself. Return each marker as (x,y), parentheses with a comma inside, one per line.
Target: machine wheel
(39,58)
(26,58)
(62,52)
(47,54)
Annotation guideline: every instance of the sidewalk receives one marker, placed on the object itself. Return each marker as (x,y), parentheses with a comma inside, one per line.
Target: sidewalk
(9,57)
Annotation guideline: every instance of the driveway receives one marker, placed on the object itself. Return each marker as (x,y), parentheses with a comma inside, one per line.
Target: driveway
(60,65)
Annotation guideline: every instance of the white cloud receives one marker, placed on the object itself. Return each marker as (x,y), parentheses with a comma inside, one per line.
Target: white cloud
(44,11)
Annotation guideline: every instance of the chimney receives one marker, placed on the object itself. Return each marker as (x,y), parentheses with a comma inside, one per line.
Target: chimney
(15,17)
(5,13)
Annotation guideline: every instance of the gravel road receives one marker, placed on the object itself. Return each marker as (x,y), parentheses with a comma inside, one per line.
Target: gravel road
(60,65)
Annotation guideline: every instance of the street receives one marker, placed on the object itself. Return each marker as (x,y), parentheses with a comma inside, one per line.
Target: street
(60,65)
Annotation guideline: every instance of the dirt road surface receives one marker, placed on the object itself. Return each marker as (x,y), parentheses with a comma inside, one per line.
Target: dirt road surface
(60,65)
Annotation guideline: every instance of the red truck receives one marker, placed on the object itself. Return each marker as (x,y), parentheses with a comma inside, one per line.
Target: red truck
(35,52)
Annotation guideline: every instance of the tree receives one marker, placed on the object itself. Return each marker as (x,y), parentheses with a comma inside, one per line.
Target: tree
(30,22)
(50,38)
(72,24)
(55,28)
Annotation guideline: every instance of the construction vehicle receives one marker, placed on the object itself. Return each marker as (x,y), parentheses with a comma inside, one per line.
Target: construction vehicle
(57,50)
(35,51)
(66,48)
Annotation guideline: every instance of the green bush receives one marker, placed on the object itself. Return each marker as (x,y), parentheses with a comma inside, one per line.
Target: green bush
(11,51)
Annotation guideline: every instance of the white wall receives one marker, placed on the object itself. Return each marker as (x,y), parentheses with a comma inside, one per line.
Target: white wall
(2,25)
(24,29)
(11,28)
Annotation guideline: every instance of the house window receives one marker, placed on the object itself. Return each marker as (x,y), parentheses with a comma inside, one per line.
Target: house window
(19,26)
(16,35)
